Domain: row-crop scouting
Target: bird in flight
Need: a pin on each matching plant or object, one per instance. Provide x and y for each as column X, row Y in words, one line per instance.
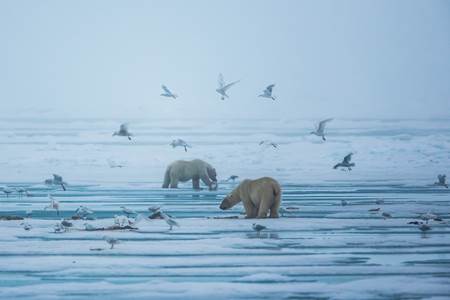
column 123, row 131
column 267, row 93
column 346, row 163
column 320, row 129
column 180, row 143
column 167, row 93
column 222, row 89
column 441, row 181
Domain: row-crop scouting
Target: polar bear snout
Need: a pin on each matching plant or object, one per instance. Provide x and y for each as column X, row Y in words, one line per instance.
column 225, row 204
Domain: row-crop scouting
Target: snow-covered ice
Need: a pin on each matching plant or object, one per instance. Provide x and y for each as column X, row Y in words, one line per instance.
column 320, row 249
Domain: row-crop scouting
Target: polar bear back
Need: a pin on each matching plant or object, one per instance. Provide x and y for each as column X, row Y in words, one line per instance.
column 185, row 170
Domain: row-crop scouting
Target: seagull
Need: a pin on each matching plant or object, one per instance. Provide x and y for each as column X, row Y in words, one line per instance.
column 26, row 226
column 66, row 223
column 113, row 164
column 83, row 212
column 56, row 180
column 268, row 143
column 344, row 202
column 110, row 240
column 424, row 227
column 222, row 89
column 54, row 204
column 429, row 216
column 267, row 93
column 7, row 192
column 121, row 221
column 128, row 211
column 379, row 201
column 374, row 209
column 123, row 131
column 258, row 228
column 59, row 228
column 320, row 129
column 180, row 143
column 171, row 222
column 21, row 191
column 232, row 177
column 441, row 181
column 168, row 93
column 346, row 163
column 386, row 215
column 283, row 211
column 89, row 227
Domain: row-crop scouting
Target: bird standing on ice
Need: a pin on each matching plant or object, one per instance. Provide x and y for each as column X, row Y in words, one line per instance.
column 346, row 163
column 269, row 143
column 111, row 241
column 123, row 131
column 222, row 89
column 320, row 129
column 180, row 143
column 54, row 204
column 171, row 222
column 167, row 93
column 267, row 93
column 258, row 228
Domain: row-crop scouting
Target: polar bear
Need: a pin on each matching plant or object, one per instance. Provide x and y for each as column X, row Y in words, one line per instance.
column 182, row 170
column 258, row 197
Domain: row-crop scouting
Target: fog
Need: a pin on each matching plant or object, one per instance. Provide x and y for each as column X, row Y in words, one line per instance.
column 108, row 59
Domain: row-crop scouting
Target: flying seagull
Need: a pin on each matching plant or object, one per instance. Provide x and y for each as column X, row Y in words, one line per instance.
column 320, row 129
column 345, row 163
column 180, row 143
column 222, row 89
column 112, row 164
column 123, row 131
column 232, row 178
column 58, row 180
column 441, row 181
column 267, row 93
column 167, row 93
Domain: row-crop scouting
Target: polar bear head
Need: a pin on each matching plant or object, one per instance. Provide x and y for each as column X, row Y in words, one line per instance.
column 230, row 200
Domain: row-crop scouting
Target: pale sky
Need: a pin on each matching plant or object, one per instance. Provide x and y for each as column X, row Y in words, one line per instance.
column 366, row 59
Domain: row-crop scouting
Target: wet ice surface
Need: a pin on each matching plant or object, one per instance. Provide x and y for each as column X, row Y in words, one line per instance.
column 320, row 250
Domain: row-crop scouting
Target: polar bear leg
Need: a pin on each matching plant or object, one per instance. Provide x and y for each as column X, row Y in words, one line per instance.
column 274, row 209
column 173, row 182
column 250, row 210
column 196, row 183
column 264, row 207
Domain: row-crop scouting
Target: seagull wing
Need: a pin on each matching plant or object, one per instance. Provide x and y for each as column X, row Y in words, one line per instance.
column 221, row 81
column 226, row 87
column 323, row 123
column 348, row 158
column 269, row 88
column 166, row 90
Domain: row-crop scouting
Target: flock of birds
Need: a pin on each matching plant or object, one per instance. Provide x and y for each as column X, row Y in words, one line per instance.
column 222, row 89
